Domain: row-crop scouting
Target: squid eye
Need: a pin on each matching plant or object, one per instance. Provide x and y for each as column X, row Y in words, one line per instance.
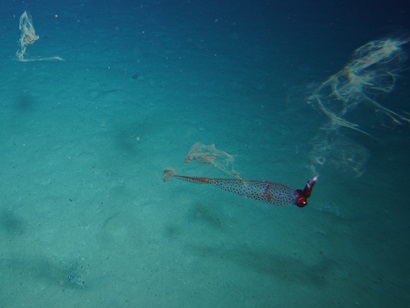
column 301, row 202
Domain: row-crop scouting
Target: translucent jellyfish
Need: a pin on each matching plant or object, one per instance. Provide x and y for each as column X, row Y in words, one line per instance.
column 29, row 37
column 209, row 154
column 371, row 72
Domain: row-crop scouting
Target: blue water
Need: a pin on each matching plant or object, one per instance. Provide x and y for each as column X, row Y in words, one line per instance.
column 85, row 218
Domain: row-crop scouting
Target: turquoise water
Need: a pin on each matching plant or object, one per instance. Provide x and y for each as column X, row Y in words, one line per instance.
column 85, row 218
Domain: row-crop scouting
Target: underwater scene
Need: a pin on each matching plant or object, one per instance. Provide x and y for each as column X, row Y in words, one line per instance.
column 203, row 153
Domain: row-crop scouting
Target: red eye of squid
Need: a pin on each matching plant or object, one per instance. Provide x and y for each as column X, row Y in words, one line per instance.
column 301, row 202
